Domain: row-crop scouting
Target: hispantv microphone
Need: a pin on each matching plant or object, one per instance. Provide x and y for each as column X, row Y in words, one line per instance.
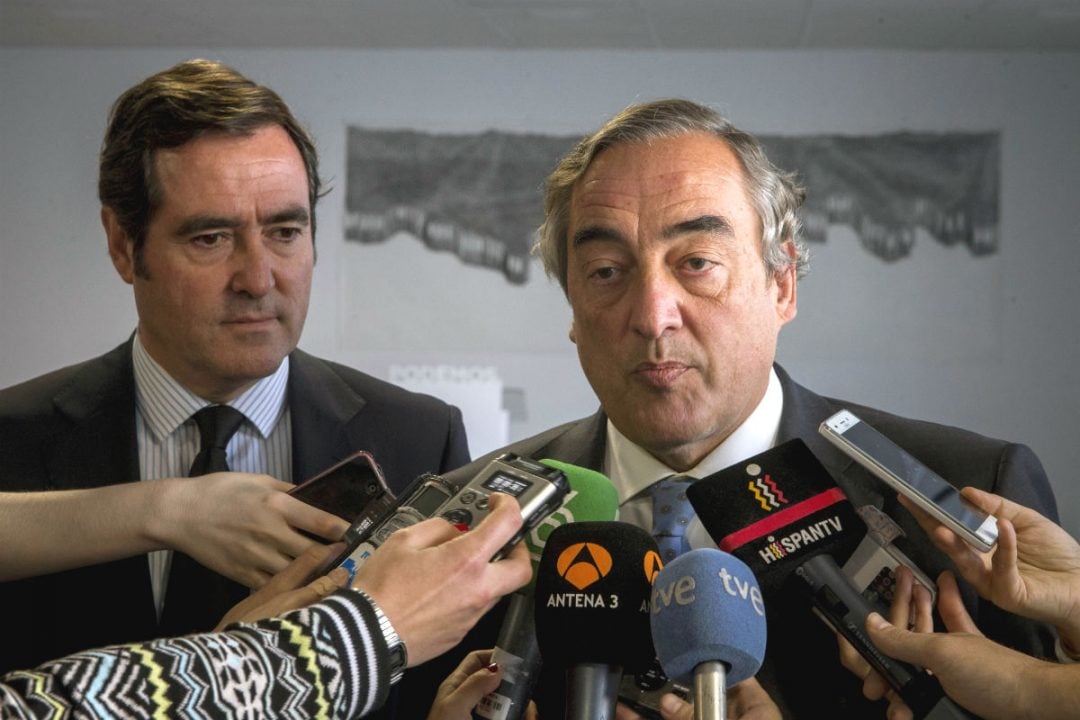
column 776, row 509
column 592, row 610
column 591, row 497
column 708, row 625
column 782, row 514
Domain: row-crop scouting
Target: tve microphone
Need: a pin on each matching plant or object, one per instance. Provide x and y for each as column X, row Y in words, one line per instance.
column 591, row 497
column 592, row 610
column 708, row 623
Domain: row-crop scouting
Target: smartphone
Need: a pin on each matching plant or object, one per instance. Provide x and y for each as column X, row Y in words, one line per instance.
column 911, row 478
column 347, row 488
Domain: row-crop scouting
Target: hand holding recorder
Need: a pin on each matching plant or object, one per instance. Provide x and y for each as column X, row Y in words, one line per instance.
column 983, row 676
column 434, row 582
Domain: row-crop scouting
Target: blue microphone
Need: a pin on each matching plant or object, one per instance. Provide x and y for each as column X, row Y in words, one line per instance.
column 708, row 624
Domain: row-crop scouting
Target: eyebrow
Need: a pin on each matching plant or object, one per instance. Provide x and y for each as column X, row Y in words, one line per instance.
column 710, row 224
column 595, row 233
column 198, row 223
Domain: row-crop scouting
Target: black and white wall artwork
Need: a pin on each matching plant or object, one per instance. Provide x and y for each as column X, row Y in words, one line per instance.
column 478, row 196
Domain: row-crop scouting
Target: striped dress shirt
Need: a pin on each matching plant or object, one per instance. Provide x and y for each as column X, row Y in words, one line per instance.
column 169, row 441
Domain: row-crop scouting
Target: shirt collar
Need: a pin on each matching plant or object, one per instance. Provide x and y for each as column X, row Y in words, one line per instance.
column 632, row 469
column 165, row 404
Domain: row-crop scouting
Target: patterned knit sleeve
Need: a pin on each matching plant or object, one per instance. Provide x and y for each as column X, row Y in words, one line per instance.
column 328, row 660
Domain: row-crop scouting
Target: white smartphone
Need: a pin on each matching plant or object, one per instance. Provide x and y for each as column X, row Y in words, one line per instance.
column 903, row 473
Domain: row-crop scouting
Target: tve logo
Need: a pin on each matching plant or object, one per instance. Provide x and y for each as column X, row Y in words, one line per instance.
column 683, row 588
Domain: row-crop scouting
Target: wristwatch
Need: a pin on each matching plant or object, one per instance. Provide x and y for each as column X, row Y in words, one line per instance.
column 399, row 656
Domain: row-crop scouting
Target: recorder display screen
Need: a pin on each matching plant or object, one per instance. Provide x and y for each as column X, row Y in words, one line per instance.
column 500, row 482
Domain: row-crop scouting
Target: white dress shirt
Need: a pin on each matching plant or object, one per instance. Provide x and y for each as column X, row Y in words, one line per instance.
column 632, row 469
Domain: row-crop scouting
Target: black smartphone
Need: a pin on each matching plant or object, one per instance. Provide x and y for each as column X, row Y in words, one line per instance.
column 347, row 488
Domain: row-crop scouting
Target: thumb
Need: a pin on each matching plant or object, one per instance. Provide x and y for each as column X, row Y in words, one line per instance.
column 893, row 641
column 460, row 703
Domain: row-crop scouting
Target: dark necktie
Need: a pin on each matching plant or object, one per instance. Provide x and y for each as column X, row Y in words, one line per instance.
column 671, row 514
column 196, row 597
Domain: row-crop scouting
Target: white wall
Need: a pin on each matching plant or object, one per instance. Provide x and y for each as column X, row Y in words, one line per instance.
column 992, row 346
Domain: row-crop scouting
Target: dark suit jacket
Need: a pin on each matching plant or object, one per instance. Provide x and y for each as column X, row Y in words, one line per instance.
column 802, row 671
column 75, row 428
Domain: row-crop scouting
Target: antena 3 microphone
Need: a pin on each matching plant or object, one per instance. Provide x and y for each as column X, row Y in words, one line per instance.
column 592, row 610
column 591, row 497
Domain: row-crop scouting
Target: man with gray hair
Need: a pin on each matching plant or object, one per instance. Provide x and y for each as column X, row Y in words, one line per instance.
column 677, row 244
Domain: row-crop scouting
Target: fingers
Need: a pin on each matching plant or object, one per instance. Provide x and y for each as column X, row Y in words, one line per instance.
column 496, row 529
column 302, row 567
column 273, row 600
column 892, row 640
column 673, row 707
column 474, row 678
column 922, row 620
column 951, row 606
column 1003, row 563
column 310, row 518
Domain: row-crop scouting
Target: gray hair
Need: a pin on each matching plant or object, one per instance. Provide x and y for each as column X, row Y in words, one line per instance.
column 775, row 194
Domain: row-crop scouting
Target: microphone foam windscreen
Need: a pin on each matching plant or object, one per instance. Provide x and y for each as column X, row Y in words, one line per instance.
column 591, row 497
column 592, row 595
column 706, row 605
column 775, row 510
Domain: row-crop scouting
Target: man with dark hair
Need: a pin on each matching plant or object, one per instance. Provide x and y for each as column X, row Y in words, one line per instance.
column 208, row 187
column 677, row 244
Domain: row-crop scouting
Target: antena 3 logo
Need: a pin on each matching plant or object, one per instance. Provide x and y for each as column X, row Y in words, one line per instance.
column 767, row 493
column 653, row 565
column 583, row 564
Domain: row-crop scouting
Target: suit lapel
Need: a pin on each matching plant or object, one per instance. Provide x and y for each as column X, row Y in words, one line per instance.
column 582, row 444
column 97, row 445
column 322, row 406
column 803, row 413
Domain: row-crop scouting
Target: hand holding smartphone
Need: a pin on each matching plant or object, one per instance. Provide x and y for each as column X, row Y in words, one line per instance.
column 909, row 477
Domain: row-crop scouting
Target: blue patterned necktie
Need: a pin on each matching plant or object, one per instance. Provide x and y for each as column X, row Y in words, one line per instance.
column 671, row 514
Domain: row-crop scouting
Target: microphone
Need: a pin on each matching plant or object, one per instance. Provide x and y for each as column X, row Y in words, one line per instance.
column 592, row 610
column 708, row 623
column 775, row 510
column 591, row 497
column 782, row 514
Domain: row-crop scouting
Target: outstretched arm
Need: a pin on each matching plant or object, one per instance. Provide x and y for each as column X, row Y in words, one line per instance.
column 240, row 525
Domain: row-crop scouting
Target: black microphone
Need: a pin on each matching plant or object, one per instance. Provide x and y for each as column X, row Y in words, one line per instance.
column 782, row 514
column 591, row 497
column 592, row 610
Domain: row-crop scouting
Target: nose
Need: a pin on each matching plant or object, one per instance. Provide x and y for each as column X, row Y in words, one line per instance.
column 252, row 269
column 656, row 304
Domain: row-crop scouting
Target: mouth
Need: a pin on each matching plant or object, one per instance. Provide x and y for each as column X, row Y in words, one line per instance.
column 252, row 321
column 660, row 375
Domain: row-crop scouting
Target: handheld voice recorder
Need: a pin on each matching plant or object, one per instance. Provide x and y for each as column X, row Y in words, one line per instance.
column 903, row 473
column 538, row 489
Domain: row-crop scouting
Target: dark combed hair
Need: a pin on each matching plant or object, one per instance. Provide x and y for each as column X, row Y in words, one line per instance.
column 174, row 107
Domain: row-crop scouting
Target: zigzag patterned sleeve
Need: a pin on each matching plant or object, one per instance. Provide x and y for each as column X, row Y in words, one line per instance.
column 328, row 660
